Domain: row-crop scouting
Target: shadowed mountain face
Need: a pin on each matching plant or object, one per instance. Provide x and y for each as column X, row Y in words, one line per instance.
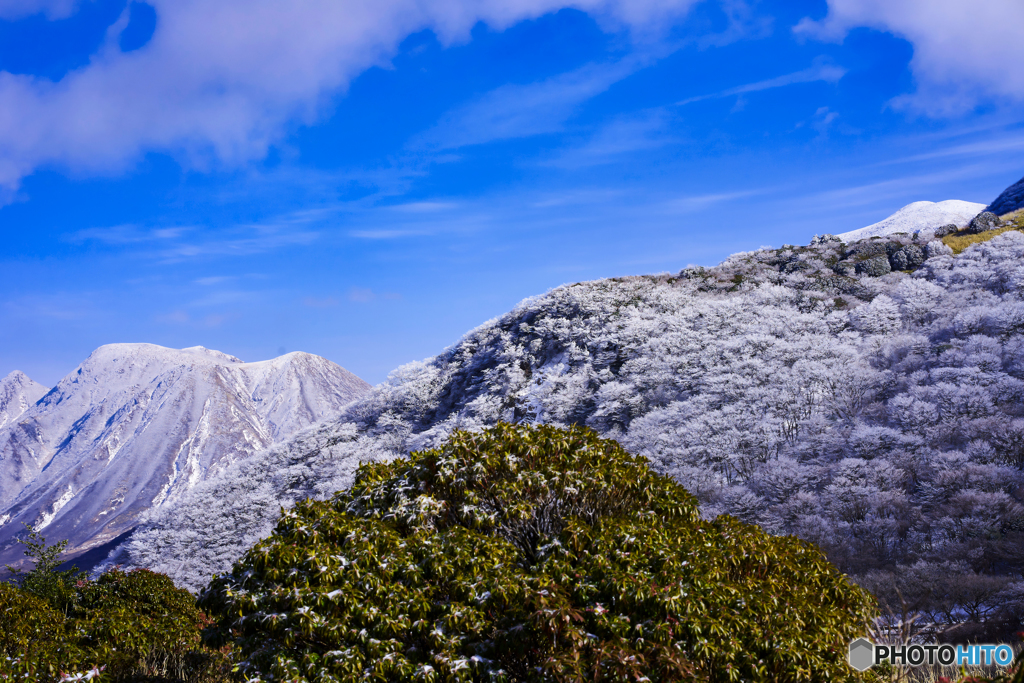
column 1011, row 199
column 137, row 425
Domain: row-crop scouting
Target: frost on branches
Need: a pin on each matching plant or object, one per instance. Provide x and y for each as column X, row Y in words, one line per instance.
column 879, row 415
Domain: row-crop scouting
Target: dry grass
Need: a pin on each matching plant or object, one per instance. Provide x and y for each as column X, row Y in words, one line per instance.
column 959, row 242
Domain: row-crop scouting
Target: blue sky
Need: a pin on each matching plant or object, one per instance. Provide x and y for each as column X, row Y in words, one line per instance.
column 369, row 180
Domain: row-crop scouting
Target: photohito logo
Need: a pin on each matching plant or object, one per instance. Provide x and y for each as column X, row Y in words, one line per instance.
column 864, row 654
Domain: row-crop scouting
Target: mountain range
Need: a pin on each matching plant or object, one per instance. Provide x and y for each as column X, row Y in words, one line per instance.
column 137, row 425
column 862, row 393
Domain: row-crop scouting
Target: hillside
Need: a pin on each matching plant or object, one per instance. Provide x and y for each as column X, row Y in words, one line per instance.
column 1010, row 200
column 813, row 390
column 136, row 426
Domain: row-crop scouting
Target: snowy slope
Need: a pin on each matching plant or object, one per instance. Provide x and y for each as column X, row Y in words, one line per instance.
column 836, row 407
column 17, row 393
column 137, row 425
column 920, row 216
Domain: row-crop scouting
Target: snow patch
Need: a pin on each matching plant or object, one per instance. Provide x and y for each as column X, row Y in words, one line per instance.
column 58, row 505
column 919, row 216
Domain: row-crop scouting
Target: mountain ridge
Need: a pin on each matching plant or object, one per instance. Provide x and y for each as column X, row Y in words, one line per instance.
column 136, row 425
column 767, row 385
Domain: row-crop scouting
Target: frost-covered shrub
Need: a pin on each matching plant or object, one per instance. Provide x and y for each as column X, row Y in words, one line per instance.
column 530, row 554
column 875, row 266
column 749, row 385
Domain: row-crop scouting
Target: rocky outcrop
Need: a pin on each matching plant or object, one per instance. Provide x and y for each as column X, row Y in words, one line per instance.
column 983, row 222
column 875, row 266
column 907, row 257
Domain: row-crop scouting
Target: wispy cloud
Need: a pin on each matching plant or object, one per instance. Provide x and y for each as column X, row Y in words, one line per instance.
column 625, row 135
column 120, row 235
column 364, row 295
column 517, row 111
column 695, row 203
column 823, row 71
column 325, row 302
column 239, row 241
column 1000, row 147
column 178, row 243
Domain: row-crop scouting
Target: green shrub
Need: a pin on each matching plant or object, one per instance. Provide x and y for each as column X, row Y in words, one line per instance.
column 56, row 588
column 125, row 626
column 138, row 623
column 530, row 553
column 36, row 643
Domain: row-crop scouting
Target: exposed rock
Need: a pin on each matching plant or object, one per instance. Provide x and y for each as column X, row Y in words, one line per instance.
column 1011, row 199
column 846, row 268
column 795, row 265
column 875, row 266
column 867, row 248
column 907, row 257
column 983, row 222
column 944, row 230
column 824, row 239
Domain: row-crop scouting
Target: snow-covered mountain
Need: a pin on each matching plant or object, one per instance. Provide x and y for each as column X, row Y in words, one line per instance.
column 137, row 425
column 867, row 396
column 919, row 216
column 17, row 393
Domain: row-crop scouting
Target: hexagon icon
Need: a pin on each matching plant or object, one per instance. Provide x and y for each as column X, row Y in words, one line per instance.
column 862, row 654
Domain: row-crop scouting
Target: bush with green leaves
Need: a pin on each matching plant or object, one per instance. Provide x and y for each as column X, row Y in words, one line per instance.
column 124, row 626
column 530, row 554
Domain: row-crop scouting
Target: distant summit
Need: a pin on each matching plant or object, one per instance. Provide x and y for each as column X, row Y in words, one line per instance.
column 136, row 425
column 17, row 393
column 1011, row 199
column 919, row 216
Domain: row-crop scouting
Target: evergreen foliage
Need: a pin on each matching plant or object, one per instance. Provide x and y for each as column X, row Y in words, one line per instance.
column 122, row 627
column 44, row 580
column 526, row 554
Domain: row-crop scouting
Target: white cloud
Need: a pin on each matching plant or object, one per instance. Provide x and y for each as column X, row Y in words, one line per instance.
column 221, row 80
column 964, row 52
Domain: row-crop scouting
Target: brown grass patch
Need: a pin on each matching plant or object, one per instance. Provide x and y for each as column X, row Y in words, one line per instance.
column 959, row 242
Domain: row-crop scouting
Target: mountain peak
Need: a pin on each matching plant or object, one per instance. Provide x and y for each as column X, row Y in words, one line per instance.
column 17, row 393
column 919, row 216
column 136, row 425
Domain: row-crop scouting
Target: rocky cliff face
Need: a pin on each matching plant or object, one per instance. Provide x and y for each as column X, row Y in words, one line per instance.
column 136, row 425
